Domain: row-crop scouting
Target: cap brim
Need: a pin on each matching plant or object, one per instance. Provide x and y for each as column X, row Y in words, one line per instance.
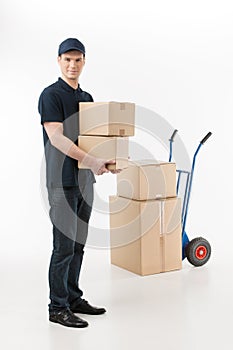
column 72, row 49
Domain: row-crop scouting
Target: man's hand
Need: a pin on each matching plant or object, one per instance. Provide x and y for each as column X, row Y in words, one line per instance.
column 99, row 165
column 113, row 171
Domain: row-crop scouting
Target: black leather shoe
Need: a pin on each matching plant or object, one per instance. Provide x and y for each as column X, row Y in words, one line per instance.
column 85, row 308
column 67, row 319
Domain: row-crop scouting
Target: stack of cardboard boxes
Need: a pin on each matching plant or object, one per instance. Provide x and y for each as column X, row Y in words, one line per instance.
column 145, row 215
column 145, row 219
column 104, row 128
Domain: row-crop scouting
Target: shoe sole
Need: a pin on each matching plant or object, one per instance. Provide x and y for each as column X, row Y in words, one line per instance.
column 98, row 312
column 86, row 313
column 71, row 326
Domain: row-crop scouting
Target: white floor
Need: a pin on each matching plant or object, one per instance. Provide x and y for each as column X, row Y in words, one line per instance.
column 187, row 309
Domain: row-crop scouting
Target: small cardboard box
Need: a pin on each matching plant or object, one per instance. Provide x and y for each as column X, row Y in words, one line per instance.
column 107, row 118
column 106, row 147
column 145, row 236
column 145, row 179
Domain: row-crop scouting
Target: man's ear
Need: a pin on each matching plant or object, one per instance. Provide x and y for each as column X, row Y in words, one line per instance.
column 58, row 59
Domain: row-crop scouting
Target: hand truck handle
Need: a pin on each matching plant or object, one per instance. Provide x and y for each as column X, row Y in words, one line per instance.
column 206, row 138
column 173, row 135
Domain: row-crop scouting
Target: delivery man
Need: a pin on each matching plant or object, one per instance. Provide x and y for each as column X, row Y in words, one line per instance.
column 70, row 190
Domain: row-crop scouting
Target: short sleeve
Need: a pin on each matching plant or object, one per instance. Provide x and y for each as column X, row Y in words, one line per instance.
column 91, row 98
column 50, row 107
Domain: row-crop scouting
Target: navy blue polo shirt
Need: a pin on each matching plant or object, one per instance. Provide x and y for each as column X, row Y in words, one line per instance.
column 59, row 102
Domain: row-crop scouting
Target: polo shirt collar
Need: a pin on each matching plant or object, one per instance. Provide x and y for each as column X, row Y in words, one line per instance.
column 66, row 86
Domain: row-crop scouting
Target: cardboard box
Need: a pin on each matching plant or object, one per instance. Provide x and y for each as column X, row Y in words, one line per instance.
column 145, row 179
column 146, row 235
column 106, row 147
column 106, row 118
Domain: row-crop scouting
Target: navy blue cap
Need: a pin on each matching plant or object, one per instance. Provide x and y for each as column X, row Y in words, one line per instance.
column 69, row 45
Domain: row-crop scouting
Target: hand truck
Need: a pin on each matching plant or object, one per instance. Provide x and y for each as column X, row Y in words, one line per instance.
column 198, row 250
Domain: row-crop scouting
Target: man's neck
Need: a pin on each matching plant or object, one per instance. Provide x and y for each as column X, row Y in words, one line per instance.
column 72, row 82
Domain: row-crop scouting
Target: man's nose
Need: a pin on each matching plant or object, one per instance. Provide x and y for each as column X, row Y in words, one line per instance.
column 72, row 64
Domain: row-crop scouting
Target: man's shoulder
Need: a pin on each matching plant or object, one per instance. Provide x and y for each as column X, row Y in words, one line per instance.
column 52, row 88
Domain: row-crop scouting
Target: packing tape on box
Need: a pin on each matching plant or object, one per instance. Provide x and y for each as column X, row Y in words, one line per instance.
column 162, row 213
column 162, row 233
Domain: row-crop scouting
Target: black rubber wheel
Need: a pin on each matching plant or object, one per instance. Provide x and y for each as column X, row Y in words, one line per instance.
column 198, row 251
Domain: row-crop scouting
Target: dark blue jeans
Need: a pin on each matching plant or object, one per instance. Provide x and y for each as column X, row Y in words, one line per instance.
column 70, row 211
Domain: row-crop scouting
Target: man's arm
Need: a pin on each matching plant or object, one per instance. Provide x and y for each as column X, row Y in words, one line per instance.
column 54, row 131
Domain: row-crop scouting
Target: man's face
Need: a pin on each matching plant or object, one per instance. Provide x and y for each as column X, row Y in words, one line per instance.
column 71, row 64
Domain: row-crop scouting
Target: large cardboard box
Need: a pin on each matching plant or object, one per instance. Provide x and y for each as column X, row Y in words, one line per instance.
column 106, row 147
column 106, row 118
column 146, row 179
column 146, row 235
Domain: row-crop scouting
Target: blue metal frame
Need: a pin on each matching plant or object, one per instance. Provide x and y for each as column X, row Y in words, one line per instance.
column 188, row 188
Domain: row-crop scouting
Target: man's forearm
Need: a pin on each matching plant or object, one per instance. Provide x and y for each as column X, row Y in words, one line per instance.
column 68, row 147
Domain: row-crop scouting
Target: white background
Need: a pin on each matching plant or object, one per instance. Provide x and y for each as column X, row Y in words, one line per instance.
column 174, row 58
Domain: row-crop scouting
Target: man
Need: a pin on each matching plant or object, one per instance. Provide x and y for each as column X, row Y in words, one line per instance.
column 70, row 190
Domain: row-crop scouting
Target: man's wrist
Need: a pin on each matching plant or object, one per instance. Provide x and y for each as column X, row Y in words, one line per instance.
column 88, row 160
